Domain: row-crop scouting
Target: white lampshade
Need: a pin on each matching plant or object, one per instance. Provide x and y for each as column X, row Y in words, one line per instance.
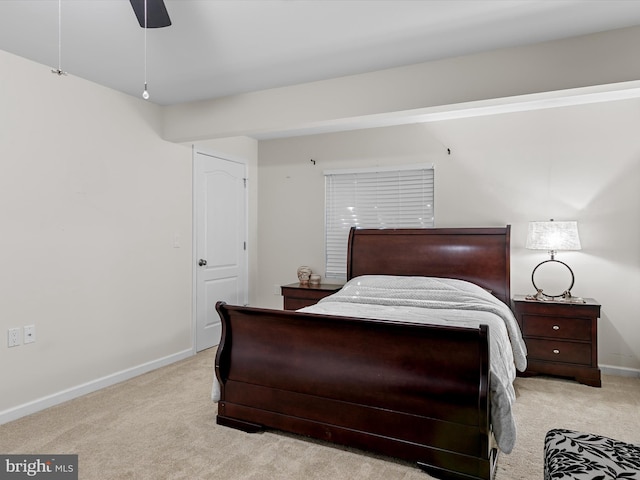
column 553, row 236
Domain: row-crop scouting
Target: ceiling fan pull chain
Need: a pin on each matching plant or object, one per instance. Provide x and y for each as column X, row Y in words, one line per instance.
column 59, row 70
column 145, row 93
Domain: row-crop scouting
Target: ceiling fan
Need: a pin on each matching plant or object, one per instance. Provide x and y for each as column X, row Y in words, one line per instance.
column 157, row 16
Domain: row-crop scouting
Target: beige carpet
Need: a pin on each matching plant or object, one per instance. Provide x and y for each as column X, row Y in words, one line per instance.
column 162, row 426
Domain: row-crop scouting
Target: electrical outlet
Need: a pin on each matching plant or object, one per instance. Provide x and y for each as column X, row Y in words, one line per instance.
column 14, row 337
column 29, row 334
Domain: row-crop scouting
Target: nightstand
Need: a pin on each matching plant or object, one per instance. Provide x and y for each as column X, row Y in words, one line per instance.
column 561, row 338
column 298, row 296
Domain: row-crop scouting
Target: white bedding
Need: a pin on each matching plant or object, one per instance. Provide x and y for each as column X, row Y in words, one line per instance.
column 443, row 302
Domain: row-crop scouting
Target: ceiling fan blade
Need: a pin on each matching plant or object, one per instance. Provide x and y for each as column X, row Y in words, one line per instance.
column 157, row 16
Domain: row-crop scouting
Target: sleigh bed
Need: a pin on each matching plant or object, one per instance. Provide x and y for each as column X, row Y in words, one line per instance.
column 344, row 371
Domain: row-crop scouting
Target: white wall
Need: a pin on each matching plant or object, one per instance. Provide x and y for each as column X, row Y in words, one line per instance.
column 291, row 206
column 578, row 163
column 92, row 200
column 573, row 163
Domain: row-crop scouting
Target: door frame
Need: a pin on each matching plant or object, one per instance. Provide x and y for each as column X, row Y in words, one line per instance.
column 194, row 237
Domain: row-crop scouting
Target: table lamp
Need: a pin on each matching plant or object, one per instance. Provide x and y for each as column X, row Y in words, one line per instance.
column 553, row 236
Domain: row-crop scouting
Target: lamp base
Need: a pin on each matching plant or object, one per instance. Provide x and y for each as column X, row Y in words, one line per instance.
column 566, row 297
column 539, row 291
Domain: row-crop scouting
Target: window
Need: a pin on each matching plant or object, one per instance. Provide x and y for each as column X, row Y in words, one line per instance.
column 395, row 197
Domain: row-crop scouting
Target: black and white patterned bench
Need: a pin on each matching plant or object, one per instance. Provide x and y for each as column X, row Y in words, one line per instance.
column 584, row 456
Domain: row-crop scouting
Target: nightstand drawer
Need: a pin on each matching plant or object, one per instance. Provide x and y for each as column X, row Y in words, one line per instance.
column 558, row 351
column 556, row 327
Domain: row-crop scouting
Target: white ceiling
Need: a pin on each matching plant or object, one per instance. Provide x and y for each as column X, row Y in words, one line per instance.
column 223, row 47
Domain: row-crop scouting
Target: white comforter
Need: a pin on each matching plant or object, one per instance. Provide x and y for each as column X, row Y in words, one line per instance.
column 443, row 302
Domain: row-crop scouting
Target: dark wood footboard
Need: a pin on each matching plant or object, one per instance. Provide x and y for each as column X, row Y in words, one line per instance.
column 414, row 392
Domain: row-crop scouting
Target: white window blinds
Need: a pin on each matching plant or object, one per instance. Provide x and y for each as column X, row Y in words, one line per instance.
column 397, row 197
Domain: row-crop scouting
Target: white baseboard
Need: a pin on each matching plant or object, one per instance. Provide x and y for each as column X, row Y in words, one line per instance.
column 619, row 371
column 74, row 392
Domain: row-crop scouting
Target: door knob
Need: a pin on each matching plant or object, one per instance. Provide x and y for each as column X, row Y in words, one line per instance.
column 202, row 262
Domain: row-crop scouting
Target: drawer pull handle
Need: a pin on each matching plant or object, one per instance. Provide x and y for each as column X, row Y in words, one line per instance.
column 556, row 351
column 556, row 327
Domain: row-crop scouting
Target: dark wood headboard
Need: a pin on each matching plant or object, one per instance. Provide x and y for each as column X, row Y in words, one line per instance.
column 477, row 255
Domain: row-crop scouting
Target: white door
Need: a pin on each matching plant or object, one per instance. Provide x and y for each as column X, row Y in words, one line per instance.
column 220, row 242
